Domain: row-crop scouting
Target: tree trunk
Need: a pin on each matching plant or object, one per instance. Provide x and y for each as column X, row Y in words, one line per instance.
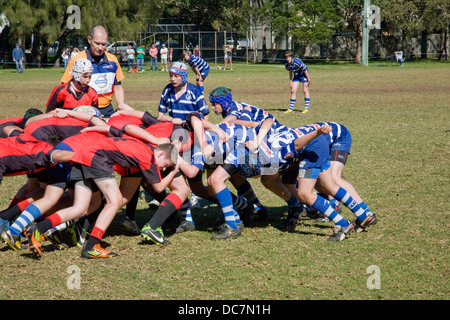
column 358, row 44
column 443, row 47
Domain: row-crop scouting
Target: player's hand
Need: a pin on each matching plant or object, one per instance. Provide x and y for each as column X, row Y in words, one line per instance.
column 60, row 113
column 324, row 129
column 251, row 145
column 162, row 140
column 177, row 145
column 208, row 151
column 177, row 121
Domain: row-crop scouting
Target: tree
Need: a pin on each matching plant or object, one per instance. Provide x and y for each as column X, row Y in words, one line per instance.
column 436, row 17
column 47, row 20
column 306, row 21
column 404, row 15
column 350, row 12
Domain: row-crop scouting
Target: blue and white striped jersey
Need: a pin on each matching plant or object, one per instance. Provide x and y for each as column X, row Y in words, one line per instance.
column 197, row 62
column 297, row 66
column 191, row 101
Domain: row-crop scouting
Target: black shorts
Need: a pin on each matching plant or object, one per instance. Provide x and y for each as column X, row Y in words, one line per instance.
column 339, row 156
column 87, row 176
column 289, row 176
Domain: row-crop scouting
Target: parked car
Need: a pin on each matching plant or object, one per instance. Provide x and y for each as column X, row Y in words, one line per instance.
column 241, row 44
column 120, row 46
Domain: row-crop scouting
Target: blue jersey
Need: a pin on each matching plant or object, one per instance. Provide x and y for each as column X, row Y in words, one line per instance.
column 297, row 66
column 235, row 145
column 339, row 138
column 200, row 64
column 190, row 101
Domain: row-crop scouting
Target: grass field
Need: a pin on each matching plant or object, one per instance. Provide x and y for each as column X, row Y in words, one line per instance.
column 399, row 121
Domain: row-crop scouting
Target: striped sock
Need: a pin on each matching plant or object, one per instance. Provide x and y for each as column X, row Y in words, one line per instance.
column 345, row 198
column 226, row 203
column 324, row 207
column 292, row 104
column 185, row 211
column 239, row 202
column 366, row 209
column 307, row 100
column 30, row 215
column 247, row 192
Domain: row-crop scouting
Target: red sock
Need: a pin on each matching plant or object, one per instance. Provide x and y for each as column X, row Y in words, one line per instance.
column 23, row 204
column 97, row 233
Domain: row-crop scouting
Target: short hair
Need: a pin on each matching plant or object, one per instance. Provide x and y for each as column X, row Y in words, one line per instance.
column 289, row 53
column 170, row 151
column 97, row 28
column 187, row 52
column 32, row 112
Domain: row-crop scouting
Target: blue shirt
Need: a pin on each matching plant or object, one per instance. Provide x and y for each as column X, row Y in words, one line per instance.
column 297, row 66
column 197, row 62
column 191, row 100
column 17, row 54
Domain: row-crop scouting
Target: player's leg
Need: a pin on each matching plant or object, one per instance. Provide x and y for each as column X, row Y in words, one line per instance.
column 169, row 205
column 217, row 182
column 129, row 188
column 307, row 96
column 293, row 99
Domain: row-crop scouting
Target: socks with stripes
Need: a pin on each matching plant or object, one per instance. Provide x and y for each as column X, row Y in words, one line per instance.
column 29, row 215
column 247, row 192
column 324, row 207
column 226, row 203
column 344, row 197
column 307, row 101
column 185, row 211
column 292, row 104
column 168, row 206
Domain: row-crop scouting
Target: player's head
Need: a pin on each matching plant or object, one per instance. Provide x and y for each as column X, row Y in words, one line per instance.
column 221, row 99
column 32, row 112
column 187, row 54
column 82, row 71
column 178, row 69
column 289, row 56
column 166, row 155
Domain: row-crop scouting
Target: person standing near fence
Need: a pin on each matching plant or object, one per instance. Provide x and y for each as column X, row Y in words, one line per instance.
column 18, row 58
column 130, row 57
column 298, row 72
column 164, row 51
column 228, row 57
column 140, row 54
column 153, row 52
column 66, row 57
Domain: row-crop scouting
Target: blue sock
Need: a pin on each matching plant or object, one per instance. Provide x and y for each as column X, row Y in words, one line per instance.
column 202, row 89
column 324, row 207
column 293, row 202
column 29, row 215
column 292, row 104
column 307, row 100
column 185, row 211
column 366, row 209
column 226, row 203
column 344, row 197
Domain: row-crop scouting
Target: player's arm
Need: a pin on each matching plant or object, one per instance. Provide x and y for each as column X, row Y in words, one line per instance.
column 229, row 118
column 307, row 138
column 188, row 169
column 248, row 124
column 7, row 130
column 307, row 76
column 41, row 117
column 262, row 133
column 119, row 95
column 137, row 132
column 133, row 112
column 164, row 117
column 160, row 186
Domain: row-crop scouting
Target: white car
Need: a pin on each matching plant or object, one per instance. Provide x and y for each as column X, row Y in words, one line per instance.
column 120, row 46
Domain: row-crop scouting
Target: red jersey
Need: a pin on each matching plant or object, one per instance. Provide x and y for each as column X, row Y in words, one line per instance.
column 21, row 156
column 127, row 153
column 18, row 122
column 65, row 127
column 64, row 96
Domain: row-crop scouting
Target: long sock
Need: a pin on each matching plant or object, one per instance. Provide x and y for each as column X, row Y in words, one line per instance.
column 366, row 209
column 168, row 206
column 185, row 211
column 324, row 207
column 51, row 221
column 95, row 237
column 345, row 198
column 293, row 202
column 130, row 209
column 292, row 104
column 202, row 89
column 239, row 202
column 30, row 214
column 246, row 191
column 14, row 210
column 226, row 203
column 307, row 101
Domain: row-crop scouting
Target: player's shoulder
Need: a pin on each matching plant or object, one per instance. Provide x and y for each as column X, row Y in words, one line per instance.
column 111, row 57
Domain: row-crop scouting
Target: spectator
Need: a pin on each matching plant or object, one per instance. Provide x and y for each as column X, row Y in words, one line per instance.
column 140, row 53
column 130, row 58
column 66, row 57
column 153, row 57
column 18, row 58
column 197, row 51
column 75, row 51
column 163, row 53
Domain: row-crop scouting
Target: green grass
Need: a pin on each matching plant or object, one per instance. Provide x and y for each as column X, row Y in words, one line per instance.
column 399, row 120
